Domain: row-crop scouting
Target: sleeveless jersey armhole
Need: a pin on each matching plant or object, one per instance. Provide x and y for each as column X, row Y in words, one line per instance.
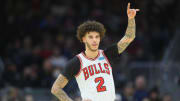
column 80, row 65
column 106, row 59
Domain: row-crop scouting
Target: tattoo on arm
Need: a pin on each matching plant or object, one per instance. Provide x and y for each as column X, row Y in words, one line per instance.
column 57, row 90
column 130, row 32
column 129, row 36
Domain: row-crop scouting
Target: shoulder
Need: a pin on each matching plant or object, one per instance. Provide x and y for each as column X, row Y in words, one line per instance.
column 111, row 50
column 111, row 53
column 72, row 68
column 74, row 60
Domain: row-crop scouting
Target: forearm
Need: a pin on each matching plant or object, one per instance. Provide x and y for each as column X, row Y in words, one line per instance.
column 131, row 29
column 129, row 36
column 57, row 90
column 62, row 96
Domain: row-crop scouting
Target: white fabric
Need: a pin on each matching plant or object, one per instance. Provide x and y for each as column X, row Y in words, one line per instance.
column 88, row 88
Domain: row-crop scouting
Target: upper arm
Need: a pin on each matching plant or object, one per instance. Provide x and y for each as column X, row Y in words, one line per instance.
column 112, row 53
column 72, row 68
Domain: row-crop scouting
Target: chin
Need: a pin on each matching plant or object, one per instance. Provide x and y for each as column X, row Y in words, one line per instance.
column 94, row 49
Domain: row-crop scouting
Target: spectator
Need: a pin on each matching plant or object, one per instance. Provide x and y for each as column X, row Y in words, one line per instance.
column 154, row 94
column 46, row 74
column 13, row 94
column 167, row 97
column 128, row 92
column 29, row 98
column 11, row 76
column 30, row 77
column 57, row 59
column 36, row 58
column 140, row 88
column 26, row 51
column 46, row 51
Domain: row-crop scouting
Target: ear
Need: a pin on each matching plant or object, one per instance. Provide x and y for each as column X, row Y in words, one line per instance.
column 83, row 39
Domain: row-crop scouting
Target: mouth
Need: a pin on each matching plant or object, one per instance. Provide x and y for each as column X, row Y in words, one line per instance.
column 94, row 44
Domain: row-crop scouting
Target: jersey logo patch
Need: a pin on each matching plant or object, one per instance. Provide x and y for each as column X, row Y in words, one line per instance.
column 101, row 58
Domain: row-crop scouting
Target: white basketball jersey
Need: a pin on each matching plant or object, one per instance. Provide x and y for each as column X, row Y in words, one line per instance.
column 95, row 79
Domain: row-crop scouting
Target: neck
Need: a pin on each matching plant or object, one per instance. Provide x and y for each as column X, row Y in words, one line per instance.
column 91, row 54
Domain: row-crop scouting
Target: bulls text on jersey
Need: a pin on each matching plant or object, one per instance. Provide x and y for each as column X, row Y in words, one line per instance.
column 95, row 69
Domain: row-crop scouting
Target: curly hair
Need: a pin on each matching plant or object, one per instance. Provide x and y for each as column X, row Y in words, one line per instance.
column 90, row 26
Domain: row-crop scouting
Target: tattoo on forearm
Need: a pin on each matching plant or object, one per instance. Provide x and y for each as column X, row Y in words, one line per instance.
column 57, row 90
column 122, row 46
column 62, row 95
column 130, row 32
column 129, row 36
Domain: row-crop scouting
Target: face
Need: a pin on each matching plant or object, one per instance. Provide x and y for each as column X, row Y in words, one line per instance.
column 140, row 82
column 154, row 95
column 92, row 40
column 167, row 98
column 129, row 90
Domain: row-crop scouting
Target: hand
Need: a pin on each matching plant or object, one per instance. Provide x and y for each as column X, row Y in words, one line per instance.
column 131, row 12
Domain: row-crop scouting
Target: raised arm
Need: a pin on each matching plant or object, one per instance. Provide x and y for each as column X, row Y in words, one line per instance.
column 57, row 90
column 130, row 31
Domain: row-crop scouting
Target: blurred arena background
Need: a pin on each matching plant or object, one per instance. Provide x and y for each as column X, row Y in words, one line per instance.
column 37, row 38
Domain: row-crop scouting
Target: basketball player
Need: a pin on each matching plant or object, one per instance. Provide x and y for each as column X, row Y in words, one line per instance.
column 92, row 67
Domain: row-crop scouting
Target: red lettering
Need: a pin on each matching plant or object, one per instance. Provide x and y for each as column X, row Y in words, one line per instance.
column 86, row 74
column 107, row 68
column 96, row 71
column 102, row 71
column 91, row 70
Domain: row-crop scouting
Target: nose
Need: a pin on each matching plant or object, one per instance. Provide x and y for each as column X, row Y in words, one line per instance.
column 94, row 40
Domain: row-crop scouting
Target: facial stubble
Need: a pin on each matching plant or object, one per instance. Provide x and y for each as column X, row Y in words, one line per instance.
column 89, row 46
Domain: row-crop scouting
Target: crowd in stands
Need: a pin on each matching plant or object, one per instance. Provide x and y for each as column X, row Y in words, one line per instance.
column 132, row 91
column 39, row 37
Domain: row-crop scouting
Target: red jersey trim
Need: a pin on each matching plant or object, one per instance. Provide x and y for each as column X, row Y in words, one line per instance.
column 92, row 59
column 106, row 59
column 80, row 66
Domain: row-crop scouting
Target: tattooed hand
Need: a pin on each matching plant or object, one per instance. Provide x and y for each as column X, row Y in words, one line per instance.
column 130, row 32
column 131, row 12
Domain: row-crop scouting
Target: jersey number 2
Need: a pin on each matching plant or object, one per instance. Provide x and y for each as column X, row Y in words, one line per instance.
column 100, row 87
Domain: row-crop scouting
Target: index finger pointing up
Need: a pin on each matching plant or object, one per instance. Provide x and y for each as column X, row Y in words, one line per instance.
column 128, row 7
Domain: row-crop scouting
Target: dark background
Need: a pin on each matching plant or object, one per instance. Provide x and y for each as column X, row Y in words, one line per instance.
column 38, row 37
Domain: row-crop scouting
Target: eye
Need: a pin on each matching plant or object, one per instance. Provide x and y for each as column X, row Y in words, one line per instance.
column 90, row 37
column 97, row 36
